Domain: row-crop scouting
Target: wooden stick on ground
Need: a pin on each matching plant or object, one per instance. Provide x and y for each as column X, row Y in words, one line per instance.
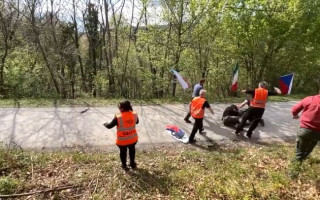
column 59, row 188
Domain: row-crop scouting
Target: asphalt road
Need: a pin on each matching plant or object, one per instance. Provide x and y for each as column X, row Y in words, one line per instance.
column 45, row 128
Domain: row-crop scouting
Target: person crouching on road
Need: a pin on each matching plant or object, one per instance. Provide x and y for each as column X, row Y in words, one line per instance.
column 127, row 136
column 197, row 107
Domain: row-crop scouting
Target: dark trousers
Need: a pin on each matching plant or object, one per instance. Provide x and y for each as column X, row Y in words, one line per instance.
column 306, row 140
column 252, row 113
column 187, row 116
column 198, row 125
column 231, row 121
column 123, row 154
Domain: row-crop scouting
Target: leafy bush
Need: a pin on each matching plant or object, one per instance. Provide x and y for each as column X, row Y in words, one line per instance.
column 8, row 185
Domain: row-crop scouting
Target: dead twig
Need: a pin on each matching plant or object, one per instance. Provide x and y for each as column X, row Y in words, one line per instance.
column 84, row 111
column 95, row 188
column 55, row 189
column 31, row 169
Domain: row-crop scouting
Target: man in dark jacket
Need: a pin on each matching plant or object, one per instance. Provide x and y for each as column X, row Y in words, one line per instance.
column 231, row 116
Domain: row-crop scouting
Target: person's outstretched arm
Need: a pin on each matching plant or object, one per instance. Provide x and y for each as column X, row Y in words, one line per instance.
column 242, row 104
column 112, row 124
column 278, row 91
column 296, row 109
column 211, row 110
column 207, row 105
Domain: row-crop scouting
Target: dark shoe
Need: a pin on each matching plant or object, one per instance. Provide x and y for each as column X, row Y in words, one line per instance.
column 133, row 166
column 237, row 129
column 237, row 132
column 262, row 122
column 192, row 141
column 247, row 136
column 236, row 126
column 125, row 168
column 201, row 131
column 187, row 121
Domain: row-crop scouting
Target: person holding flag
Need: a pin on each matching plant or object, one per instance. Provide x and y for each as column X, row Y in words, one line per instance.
column 256, row 108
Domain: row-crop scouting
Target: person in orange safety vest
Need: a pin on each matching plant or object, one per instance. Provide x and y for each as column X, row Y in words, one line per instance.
column 197, row 106
column 256, row 108
column 127, row 136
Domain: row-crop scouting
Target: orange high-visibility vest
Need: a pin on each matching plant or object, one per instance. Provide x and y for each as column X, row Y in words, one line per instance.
column 260, row 98
column 196, row 107
column 126, row 128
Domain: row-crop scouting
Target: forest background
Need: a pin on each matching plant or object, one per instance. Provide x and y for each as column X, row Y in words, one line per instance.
column 126, row 48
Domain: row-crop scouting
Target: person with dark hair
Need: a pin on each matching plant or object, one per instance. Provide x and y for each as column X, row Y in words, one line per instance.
column 196, row 93
column 127, row 136
column 231, row 116
column 257, row 107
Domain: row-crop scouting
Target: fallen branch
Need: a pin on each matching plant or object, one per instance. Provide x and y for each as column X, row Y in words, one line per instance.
column 95, row 188
column 59, row 188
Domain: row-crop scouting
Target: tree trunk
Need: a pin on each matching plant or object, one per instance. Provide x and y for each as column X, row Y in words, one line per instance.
column 3, row 61
column 38, row 42
column 108, row 49
column 76, row 42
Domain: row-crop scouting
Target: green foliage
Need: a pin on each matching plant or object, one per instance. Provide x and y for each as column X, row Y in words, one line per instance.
column 8, row 185
column 199, row 38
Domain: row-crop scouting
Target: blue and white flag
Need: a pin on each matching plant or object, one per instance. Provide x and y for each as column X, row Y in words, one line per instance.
column 286, row 83
column 181, row 80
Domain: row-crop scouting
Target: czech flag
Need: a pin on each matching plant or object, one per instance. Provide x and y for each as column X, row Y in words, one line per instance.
column 286, row 83
column 235, row 75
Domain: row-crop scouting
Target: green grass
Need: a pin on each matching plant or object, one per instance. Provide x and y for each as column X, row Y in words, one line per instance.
column 40, row 102
column 187, row 172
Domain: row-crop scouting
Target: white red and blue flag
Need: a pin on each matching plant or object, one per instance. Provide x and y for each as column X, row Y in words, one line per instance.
column 235, row 74
column 286, row 83
column 181, row 79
